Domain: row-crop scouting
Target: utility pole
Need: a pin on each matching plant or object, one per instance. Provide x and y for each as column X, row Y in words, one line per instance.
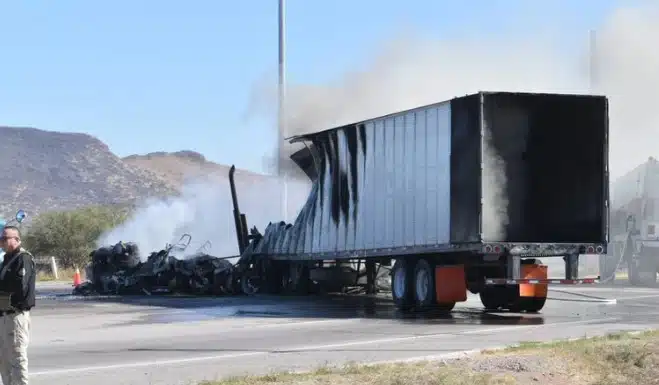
column 592, row 62
column 281, row 113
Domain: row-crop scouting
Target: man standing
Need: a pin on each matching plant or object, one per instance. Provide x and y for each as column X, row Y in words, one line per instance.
column 17, row 297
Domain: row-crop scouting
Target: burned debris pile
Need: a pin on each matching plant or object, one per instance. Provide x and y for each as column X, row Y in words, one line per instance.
column 118, row 270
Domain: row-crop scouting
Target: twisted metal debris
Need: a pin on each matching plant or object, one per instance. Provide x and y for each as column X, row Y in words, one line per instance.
column 118, row 270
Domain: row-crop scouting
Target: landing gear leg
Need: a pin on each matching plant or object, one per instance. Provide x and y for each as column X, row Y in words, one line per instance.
column 370, row 277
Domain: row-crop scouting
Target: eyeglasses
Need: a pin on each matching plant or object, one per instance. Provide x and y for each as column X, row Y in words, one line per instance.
column 3, row 238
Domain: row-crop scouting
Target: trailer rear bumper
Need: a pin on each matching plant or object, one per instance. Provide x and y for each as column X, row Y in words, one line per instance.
column 543, row 249
column 505, row 281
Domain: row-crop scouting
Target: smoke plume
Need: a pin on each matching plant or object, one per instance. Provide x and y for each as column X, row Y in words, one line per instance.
column 204, row 210
column 407, row 72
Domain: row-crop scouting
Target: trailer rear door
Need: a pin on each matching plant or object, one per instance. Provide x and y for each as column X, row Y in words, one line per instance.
column 546, row 157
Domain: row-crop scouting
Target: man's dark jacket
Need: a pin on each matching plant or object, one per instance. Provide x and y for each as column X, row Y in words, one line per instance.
column 19, row 278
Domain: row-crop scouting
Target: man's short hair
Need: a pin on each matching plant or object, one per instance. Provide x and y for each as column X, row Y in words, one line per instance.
column 11, row 227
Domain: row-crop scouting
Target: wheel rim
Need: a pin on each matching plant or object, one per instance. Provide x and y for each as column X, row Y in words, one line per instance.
column 422, row 285
column 399, row 283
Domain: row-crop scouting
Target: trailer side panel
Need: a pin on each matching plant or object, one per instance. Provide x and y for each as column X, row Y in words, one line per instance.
column 381, row 184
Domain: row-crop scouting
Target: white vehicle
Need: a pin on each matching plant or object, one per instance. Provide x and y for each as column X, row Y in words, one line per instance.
column 634, row 224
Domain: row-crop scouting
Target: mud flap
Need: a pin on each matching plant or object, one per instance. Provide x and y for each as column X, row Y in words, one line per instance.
column 532, row 296
column 450, row 284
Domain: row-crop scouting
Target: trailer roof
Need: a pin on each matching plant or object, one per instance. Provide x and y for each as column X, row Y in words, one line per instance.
column 307, row 136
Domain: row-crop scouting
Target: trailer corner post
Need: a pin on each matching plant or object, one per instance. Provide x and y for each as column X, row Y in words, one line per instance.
column 513, row 266
column 571, row 266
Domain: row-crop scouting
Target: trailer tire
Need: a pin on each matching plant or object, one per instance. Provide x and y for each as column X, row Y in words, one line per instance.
column 494, row 297
column 402, row 289
column 425, row 296
column 444, row 307
column 531, row 305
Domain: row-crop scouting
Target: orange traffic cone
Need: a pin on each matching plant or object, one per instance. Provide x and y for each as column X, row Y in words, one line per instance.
column 76, row 278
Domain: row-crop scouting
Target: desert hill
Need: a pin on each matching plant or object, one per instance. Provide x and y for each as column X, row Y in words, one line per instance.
column 47, row 170
column 180, row 167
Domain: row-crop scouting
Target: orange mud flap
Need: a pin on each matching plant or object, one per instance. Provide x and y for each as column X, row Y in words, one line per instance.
column 450, row 284
column 533, row 293
column 534, row 290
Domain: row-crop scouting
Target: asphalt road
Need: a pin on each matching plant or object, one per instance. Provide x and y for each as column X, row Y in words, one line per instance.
column 152, row 340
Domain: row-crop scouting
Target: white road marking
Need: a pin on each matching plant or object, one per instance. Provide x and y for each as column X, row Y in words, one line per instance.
column 604, row 301
column 436, row 335
column 156, row 363
column 143, row 364
column 638, row 297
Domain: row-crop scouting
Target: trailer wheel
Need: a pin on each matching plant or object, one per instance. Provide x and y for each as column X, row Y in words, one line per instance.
column 402, row 289
column 444, row 307
column 530, row 305
column 424, row 285
column 527, row 304
column 494, row 297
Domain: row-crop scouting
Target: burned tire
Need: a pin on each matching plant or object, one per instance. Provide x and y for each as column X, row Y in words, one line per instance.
column 425, row 296
column 402, row 289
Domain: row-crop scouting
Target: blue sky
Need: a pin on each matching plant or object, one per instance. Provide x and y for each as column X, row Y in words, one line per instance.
column 156, row 75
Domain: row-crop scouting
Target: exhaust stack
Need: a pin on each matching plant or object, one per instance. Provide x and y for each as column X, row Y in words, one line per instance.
column 239, row 219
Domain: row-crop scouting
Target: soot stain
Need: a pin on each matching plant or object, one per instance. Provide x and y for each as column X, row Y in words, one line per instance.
column 351, row 138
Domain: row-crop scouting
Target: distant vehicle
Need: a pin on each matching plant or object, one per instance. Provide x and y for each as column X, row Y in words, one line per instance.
column 634, row 226
column 463, row 195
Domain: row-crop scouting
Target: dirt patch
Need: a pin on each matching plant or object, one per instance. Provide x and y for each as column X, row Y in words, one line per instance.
column 619, row 359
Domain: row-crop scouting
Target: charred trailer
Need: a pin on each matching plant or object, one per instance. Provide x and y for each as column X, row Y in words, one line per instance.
column 634, row 240
column 463, row 195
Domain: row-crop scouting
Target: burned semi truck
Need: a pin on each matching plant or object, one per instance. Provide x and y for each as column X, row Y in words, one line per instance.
column 634, row 242
column 462, row 195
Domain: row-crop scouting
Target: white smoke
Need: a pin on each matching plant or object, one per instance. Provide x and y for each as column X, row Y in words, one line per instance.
column 204, row 210
column 408, row 72
column 628, row 73
column 495, row 207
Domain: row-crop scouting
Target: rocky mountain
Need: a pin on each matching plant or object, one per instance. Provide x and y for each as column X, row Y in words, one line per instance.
column 180, row 167
column 45, row 170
